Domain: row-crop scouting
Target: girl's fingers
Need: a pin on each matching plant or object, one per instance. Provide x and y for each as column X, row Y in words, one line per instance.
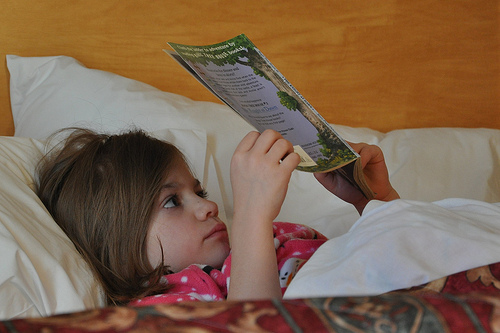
column 370, row 154
column 280, row 149
column 248, row 141
column 267, row 140
column 291, row 161
column 269, row 145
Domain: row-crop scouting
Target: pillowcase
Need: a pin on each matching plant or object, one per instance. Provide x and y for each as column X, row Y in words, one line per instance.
column 50, row 93
column 431, row 164
column 42, row 272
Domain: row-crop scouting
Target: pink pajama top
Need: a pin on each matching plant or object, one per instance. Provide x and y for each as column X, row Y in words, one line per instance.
column 294, row 244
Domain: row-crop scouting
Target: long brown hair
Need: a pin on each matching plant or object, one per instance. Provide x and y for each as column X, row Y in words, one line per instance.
column 101, row 189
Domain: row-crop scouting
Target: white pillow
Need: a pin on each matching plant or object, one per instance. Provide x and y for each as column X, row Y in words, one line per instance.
column 50, row 93
column 41, row 271
column 431, row 164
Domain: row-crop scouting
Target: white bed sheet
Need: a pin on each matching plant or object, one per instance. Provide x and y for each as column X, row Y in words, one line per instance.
column 401, row 244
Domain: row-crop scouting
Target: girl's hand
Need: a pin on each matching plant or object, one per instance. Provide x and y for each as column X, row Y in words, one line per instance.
column 376, row 175
column 261, row 168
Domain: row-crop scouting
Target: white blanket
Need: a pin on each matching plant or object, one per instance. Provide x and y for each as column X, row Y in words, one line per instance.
column 401, row 244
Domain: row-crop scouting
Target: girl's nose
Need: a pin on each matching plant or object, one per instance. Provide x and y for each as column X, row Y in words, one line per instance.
column 206, row 209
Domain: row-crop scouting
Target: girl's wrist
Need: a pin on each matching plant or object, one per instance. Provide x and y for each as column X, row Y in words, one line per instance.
column 392, row 195
column 361, row 204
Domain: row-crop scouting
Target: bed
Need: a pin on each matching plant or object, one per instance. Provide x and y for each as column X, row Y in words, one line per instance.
column 419, row 79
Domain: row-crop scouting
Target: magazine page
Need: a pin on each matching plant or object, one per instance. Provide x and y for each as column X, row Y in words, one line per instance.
column 243, row 78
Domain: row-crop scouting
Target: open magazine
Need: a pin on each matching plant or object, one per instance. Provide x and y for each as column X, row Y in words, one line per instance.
column 244, row 79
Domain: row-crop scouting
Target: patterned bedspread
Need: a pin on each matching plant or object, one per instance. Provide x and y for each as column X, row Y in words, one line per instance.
column 464, row 302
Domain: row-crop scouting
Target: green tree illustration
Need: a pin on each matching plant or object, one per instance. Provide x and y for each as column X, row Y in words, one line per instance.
column 288, row 101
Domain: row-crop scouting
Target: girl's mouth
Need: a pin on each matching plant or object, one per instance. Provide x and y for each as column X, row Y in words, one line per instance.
column 218, row 229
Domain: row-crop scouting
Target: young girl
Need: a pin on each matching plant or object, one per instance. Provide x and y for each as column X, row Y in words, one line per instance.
column 133, row 209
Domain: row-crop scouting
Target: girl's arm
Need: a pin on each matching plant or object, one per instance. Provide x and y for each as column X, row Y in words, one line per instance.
column 261, row 168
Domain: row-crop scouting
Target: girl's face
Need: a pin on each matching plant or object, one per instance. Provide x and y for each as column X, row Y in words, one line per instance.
column 186, row 225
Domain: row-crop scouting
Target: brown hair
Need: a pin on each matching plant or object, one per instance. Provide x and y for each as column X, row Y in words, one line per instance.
column 101, row 189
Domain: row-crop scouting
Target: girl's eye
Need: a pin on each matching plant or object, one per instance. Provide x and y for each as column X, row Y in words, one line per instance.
column 171, row 202
column 202, row 194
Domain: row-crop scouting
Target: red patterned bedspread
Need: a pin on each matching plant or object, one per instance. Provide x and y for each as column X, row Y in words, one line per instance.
column 464, row 302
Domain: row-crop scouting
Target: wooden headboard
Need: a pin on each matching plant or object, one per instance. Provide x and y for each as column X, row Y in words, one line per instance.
column 383, row 64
